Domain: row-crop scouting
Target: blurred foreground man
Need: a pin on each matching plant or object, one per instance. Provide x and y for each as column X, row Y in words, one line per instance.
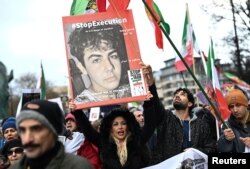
column 39, row 124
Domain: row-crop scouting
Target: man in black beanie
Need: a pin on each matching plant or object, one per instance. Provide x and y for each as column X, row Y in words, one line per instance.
column 39, row 123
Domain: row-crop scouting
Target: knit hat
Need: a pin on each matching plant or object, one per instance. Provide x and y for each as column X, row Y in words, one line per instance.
column 236, row 96
column 70, row 116
column 11, row 144
column 9, row 123
column 46, row 112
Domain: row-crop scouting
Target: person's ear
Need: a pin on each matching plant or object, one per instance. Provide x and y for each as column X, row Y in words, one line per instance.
column 190, row 104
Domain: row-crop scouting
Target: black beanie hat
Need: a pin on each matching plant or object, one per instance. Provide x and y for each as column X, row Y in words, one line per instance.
column 46, row 112
column 10, row 144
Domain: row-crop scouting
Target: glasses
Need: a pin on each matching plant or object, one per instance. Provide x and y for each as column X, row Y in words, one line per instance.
column 18, row 150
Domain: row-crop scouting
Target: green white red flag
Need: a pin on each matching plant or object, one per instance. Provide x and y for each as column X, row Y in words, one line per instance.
column 213, row 75
column 187, row 45
column 237, row 80
column 157, row 13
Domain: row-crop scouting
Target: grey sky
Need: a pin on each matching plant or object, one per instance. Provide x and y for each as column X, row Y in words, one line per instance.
column 31, row 31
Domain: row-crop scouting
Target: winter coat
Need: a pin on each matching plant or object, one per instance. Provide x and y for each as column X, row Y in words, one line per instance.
column 62, row 160
column 170, row 131
column 90, row 151
column 136, row 142
column 234, row 146
column 72, row 145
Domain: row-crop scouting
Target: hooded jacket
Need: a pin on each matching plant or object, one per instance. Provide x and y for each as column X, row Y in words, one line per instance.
column 136, row 142
column 170, row 131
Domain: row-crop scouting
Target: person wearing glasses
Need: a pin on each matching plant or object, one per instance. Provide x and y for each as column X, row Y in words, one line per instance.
column 13, row 150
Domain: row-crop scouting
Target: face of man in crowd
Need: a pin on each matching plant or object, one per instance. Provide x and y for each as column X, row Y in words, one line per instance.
column 180, row 101
column 71, row 125
column 139, row 117
column 119, row 128
column 36, row 138
column 103, row 65
column 15, row 154
column 10, row 134
column 239, row 111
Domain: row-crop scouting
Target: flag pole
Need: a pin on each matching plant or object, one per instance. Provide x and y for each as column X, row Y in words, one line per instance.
column 185, row 83
column 191, row 37
column 182, row 59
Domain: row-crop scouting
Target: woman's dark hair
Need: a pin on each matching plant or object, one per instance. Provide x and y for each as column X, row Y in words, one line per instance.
column 86, row 37
column 106, row 125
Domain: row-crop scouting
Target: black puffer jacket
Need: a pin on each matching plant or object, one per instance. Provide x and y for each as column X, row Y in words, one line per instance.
column 137, row 158
column 170, row 132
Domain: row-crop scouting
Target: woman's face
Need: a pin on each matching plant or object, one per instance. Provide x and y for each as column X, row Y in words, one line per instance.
column 119, row 128
column 103, row 66
column 15, row 154
column 10, row 134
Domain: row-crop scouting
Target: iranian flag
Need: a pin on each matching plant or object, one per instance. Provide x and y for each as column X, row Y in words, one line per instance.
column 237, row 80
column 187, row 45
column 213, row 75
column 41, row 84
column 157, row 13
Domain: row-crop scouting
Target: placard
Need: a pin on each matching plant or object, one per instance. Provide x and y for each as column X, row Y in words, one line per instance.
column 103, row 59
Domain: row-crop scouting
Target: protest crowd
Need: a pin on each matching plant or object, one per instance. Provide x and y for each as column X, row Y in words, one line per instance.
column 126, row 136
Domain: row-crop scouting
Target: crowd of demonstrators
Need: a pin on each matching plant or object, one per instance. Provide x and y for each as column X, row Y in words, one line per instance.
column 180, row 129
column 9, row 132
column 120, row 140
column 125, row 137
column 236, row 138
column 86, row 149
column 39, row 123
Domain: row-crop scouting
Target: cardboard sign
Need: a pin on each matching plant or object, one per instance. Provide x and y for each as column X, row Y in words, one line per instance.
column 103, row 59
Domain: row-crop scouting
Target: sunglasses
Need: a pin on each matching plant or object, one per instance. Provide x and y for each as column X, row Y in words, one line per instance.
column 17, row 150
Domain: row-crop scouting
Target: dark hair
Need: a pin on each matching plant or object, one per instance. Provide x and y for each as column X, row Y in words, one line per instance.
column 190, row 96
column 106, row 125
column 86, row 37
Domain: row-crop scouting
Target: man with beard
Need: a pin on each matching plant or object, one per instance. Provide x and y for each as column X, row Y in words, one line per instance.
column 181, row 128
column 39, row 123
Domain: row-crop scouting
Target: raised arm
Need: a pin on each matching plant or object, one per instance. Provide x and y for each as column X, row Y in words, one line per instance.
column 86, row 128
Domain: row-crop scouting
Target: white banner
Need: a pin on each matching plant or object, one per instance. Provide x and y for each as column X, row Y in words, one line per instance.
column 190, row 159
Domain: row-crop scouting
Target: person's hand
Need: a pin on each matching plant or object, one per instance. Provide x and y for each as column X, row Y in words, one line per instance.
column 72, row 105
column 68, row 134
column 229, row 134
column 246, row 141
column 149, row 95
column 147, row 72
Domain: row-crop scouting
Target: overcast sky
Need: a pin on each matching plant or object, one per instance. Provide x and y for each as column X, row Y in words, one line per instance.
column 31, row 31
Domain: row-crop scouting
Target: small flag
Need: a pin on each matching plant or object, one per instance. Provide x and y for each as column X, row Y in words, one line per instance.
column 187, row 45
column 157, row 13
column 41, row 84
column 236, row 80
column 78, row 7
column 213, row 74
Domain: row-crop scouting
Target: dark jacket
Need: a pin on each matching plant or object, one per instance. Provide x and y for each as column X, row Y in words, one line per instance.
column 234, row 146
column 137, row 158
column 170, row 131
column 61, row 160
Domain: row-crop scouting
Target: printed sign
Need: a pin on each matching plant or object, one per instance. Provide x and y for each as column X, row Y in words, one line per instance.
column 103, row 59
